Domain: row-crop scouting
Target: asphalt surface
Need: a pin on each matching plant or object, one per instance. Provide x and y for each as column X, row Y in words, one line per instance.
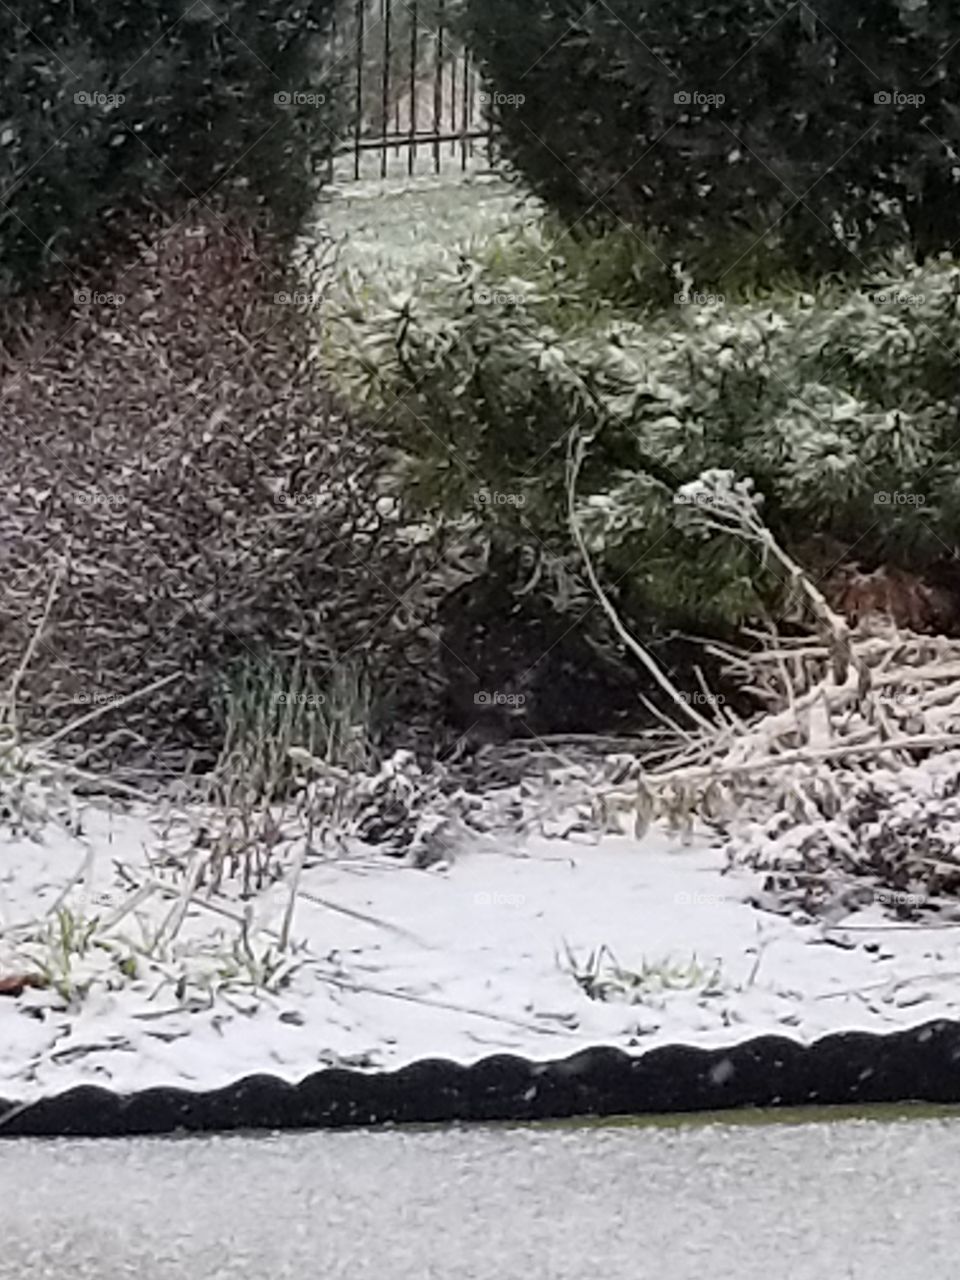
column 870, row 1198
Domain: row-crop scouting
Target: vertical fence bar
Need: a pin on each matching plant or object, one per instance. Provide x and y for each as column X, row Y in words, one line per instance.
column 331, row 160
column 414, row 50
column 438, row 88
column 466, row 90
column 386, row 7
column 358, row 105
column 481, row 113
column 453, row 103
column 472, row 108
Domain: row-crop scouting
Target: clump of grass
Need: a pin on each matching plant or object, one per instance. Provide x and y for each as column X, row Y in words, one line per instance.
column 271, row 708
column 347, row 736
column 268, row 968
column 66, row 939
column 71, row 954
column 601, row 977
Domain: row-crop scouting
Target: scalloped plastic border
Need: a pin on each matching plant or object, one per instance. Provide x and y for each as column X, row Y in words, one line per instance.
column 917, row 1065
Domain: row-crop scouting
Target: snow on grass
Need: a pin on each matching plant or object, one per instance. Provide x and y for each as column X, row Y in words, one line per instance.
column 389, row 964
column 399, row 227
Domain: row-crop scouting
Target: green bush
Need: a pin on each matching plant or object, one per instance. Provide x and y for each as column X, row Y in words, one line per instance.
column 109, row 106
column 724, row 124
column 825, row 398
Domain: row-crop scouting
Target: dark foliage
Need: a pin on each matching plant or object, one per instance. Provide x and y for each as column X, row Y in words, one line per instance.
column 516, row 666
column 110, row 105
column 827, row 131
column 176, row 457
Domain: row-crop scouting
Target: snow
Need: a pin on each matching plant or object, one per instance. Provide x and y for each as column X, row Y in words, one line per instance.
column 401, row 228
column 392, row 964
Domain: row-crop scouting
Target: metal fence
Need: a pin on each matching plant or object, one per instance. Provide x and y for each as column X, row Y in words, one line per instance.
column 417, row 100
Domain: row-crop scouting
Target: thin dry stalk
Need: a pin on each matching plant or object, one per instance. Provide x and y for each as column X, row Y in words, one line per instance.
column 576, row 453
column 10, row 702
column 96, row 712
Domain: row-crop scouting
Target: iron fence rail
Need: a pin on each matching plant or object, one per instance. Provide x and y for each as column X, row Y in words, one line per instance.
column 415, row 90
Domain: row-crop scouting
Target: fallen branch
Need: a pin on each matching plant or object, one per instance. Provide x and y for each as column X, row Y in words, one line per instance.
column 575, row 455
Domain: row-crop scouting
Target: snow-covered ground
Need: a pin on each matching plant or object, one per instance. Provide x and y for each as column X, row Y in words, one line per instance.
column 390, row 964
column 405, row 226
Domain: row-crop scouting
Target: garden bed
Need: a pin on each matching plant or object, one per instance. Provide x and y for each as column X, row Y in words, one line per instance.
column 542, row 950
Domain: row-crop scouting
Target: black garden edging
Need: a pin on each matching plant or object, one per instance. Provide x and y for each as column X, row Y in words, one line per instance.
column 918, row 1065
